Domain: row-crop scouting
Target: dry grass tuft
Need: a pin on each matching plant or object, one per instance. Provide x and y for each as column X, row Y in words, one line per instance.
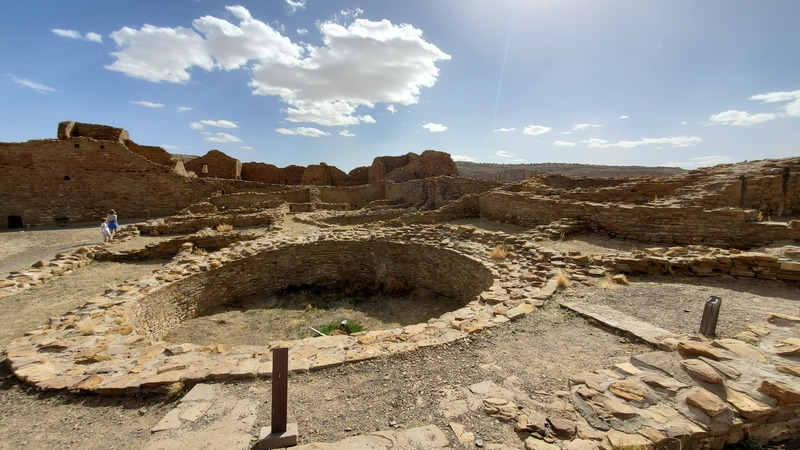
column 198, row 251
column 615, row 281
column 562, row 280
column 85, row 326
column 499, row 252
column 224, row 227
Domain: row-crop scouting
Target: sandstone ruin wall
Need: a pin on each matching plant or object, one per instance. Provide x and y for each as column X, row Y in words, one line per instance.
column 80, row 179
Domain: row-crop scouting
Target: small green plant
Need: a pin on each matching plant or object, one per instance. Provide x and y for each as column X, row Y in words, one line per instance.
column 343, row 327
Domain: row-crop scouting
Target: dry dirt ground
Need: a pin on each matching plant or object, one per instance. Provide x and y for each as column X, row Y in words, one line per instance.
column 535, row 354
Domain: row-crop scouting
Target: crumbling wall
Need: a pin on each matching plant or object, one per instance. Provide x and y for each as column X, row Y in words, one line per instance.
column 156, row 154
column 260, row 199
column 429, row 164
column 268, row 173
column 324, row 175
column 80, row 179
column 69, row 130
column 215, row 164
column 435, row 192
column 666, row 225
column 355, row 196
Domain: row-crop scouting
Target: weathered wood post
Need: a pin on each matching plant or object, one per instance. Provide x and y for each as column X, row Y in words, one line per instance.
column 279, row 434
column 708, row 324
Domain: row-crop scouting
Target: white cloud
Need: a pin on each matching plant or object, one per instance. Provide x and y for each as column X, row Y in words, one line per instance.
column 169, row 147
column 504, row 154
column 434, row 127
column 366, row 119
column 183, row 108
column 793, row 108
column 247, row 147
column 462, row 158
column 623, row 117
column 565, row 144
column 683, row 122
column 294, row 5
column 504, row 130
column 391, row 108
column 741, row 118
column 39, row 87
column 773, row 97
column 72, row 34
column 213, row 123
column 700, row 161
column 93, row 37
column 222, row 137
column 674, row 141
column 346, row 133
column 147, row 104
column 302, row 131
column 584, row 126
column 159, row 54
column 302, row 31
column 358, row 65
column 535, row 130
column 69, row 34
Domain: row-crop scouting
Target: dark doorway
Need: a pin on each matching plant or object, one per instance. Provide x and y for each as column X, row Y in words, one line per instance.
column 14, row 221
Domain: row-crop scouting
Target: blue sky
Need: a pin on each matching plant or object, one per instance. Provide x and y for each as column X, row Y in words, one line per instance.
column 630, row 82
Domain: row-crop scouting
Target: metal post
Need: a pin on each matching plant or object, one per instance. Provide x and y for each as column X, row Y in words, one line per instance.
column 708, row 324
column 280, row 391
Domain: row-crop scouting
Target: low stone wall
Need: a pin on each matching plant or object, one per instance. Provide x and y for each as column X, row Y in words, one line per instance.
column 357, row 196
column 194, row 223
column 667, row 225
column 259, row 199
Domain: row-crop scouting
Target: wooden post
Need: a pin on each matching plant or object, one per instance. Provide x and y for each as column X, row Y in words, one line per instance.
column 280, row 388
column 708, row 324
column 279, row 434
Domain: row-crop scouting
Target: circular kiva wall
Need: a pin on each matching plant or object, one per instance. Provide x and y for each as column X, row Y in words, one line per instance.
column 330, row 264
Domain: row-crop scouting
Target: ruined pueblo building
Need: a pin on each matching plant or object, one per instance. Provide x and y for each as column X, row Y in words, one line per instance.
column 391, row 226
column 91, row 168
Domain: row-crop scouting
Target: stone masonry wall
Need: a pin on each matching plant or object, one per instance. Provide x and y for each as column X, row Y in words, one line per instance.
column 215, row 164
column 259, row 199
column 356, row 196
column 69, row 130
column 669, row 225
column 268, row 173
column 156, row 154
column 435, row 192
column 327, row 264
column 80, row 179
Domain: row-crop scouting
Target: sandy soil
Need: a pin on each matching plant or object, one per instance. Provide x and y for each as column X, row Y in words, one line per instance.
column 530, row 354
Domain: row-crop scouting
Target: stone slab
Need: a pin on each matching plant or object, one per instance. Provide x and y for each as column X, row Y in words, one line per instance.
column 269, row 439
column 620, row 321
